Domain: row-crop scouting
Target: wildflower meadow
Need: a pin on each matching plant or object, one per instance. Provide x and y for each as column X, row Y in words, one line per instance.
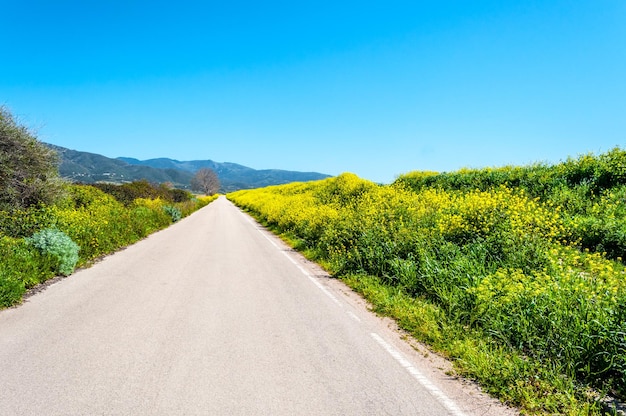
column 515, row 273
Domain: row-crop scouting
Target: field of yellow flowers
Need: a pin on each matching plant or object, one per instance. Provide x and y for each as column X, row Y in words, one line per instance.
column 96, row 224
column 516, row 273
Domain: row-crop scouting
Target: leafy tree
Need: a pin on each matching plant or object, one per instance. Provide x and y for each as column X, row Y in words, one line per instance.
column 28, row 169
column 205, row 181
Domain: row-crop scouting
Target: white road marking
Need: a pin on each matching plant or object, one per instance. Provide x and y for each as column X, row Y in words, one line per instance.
column 423, row 380
column 304, row 272
column 353, row 316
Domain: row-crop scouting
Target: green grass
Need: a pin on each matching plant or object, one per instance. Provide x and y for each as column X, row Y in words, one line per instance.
column 507, row 281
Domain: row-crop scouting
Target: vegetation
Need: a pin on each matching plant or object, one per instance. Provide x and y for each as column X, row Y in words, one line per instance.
column 28, row 172
column 127, row 193
column 59, row 247
column 91, row 168
column 32, row 249
column 48, row 227
column 516, row 273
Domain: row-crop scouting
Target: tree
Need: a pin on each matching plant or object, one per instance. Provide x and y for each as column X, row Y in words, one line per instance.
column 205, row 180
column 29, row 171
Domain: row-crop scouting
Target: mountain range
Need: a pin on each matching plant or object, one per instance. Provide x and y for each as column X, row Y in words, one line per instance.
column 88, row 167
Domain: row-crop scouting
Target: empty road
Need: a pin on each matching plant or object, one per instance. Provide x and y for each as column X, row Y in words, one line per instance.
column 214, row 316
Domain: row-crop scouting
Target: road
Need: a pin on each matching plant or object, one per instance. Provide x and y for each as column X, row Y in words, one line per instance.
column 214, row 316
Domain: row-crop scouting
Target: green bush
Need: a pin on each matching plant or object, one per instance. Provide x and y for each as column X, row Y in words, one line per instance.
column 597, row 173
column 127, row 193
column 173, row 212
column 22, row 266
column 58, row 246
column 498, row 262
column 11, row 289
column 28, row 168
column 21, row 223
column 41, row 241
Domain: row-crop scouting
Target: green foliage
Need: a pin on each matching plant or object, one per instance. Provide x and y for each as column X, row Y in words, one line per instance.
column 127, row 193
column 94, row 220
column 594, row 173
column 59, row 247
column 28, row 169
column 21, row 267
column 523, row 274
column 178, row 195
column 25, row 222
column 590, row 190
column 173, row 212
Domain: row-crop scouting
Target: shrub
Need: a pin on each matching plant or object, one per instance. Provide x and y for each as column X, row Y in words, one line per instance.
column 28, row 168
column 498, row 260
column 11, row 289
column 58, row 246
column 87, row 218
column 21, row 223
column 173, row 212
column 127, row 193
column 22, row 266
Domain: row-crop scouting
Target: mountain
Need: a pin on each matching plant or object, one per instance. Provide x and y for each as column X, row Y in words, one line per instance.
column 90, row 167
column 231, row 175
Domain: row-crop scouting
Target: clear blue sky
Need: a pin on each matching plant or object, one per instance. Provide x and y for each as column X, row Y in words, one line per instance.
column 374, row 88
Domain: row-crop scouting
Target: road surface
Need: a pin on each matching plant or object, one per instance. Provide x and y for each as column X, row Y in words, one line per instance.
column 214, row 316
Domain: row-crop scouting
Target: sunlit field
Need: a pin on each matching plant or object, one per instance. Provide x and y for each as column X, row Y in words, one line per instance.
column 516, row 273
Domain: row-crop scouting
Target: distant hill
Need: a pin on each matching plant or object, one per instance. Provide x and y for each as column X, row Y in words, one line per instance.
column 90, row 167
column 231, row 175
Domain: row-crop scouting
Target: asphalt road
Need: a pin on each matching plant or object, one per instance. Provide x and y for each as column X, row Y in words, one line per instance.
column 214, row 316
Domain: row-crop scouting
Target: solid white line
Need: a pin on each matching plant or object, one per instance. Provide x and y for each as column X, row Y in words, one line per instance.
column 423, row 380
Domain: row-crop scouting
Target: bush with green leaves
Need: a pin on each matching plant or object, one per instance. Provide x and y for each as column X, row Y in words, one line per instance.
column 30, row 253
column 501, row 269
column 21, row 267
column 173, row 212
column 58, row 246
column 28, row 168
column 127, row 193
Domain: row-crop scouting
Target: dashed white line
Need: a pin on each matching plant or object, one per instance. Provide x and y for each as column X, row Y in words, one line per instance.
column 304, row 272
column 353, row 316
column 423, row 380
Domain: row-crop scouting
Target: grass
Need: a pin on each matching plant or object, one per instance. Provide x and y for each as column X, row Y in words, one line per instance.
column 495, row 278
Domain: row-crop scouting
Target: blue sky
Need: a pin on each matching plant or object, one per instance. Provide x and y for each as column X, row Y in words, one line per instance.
column 374, row 88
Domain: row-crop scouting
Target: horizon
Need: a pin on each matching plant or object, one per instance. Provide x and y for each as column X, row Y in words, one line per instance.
column 376, row 90
column 323, row 173
column 530, row 164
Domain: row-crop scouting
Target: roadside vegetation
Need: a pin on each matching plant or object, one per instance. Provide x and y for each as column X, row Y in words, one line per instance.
column 48, row 227
column 515, row 273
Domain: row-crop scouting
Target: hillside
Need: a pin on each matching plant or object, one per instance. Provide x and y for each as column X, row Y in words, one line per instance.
column 90, row 167
column 232, row 176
